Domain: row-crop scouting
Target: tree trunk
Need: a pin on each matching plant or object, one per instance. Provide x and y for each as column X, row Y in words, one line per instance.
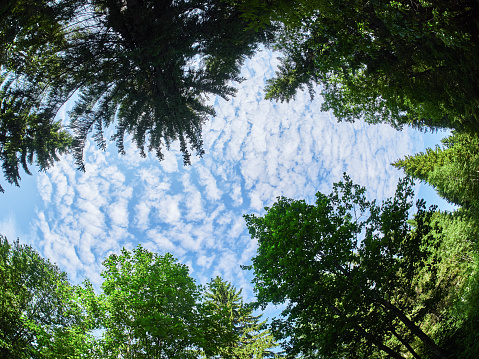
column 413, row 328
column 405, row 343
column 367, row 335
column 399, row 314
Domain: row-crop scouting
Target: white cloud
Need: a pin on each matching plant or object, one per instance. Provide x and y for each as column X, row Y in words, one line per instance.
column 8, row 227
column 118, row 213
column 207, row 180
column 205, row 261
column 237, row 228
column 194, row 205
column 170, row 162
column 44, row 187
column 168, row 209
column 226, row 266
column 161, row 241
column 236, row 194
column 142, row 210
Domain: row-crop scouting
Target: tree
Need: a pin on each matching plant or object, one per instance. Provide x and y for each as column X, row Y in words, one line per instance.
column 28, row 129
column 397, row 62
column 27, row 136
column 351, row 273
column 151, row 308
column 249, row 339
column 147, row 66
column 40, row 315
column 458, row 274
column 452, row 170
column 155, row 64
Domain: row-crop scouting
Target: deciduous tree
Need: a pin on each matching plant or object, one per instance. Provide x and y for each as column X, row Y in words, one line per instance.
column 40, row 313
column 347, row 270
column 151, row 308
column 397, row 62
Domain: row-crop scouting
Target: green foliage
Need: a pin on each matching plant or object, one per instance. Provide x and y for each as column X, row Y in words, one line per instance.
column 359, row 279
column 147, row 66
column 40, row 314
column 148, row 307
column 397, row 62
column 464, row 340
column 452, row 170
column 31, row 29
column 457, row 275
column 28, row 131
column 27, row 135
column 249, row 339
column 151, row 308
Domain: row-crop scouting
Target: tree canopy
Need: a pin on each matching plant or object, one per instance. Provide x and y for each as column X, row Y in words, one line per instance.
column 40, row 313
column 149, row 308
column 29, row 33
column 358, row 279
column 397, row 62
column 452, row 169
column 146, row 66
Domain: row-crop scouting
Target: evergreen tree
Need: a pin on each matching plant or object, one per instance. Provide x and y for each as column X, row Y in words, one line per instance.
column 30, row 34
column 251, row 339
column 454, row 320
column 452, row 170
column 148, row 66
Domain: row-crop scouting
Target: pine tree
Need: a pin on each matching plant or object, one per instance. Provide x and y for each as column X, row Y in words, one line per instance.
column 253, row 341
column 422, row 164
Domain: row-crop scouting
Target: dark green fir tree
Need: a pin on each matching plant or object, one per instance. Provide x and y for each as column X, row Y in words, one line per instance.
column 146, row 66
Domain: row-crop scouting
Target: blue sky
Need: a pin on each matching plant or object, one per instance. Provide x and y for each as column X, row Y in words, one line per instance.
column 255, row 149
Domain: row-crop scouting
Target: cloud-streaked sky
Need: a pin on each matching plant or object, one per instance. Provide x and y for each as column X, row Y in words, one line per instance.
column 255, row 150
